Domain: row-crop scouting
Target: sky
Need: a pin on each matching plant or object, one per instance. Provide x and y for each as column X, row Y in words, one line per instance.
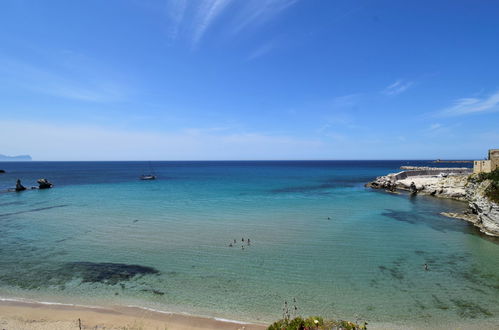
column 249, row 79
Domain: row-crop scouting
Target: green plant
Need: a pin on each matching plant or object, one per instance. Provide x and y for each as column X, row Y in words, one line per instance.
column 315, row 323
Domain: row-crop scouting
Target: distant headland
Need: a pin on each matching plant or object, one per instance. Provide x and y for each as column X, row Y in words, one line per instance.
column 4, row 158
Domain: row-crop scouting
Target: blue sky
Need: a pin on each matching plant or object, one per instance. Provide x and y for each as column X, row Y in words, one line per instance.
column 248, row 79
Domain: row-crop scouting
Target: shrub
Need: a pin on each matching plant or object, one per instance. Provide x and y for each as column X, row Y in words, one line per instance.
column 314, row 323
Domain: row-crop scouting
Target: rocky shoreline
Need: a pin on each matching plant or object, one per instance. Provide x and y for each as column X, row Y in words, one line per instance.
column 452, row 183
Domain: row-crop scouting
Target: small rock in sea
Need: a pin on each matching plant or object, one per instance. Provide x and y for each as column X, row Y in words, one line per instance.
column 19, row 186
column 44, row 183
column 2, row 171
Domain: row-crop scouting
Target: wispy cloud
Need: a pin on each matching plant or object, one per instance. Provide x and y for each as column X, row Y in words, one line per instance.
column 58, row 81
column 257, row 12
column 176, row 12
column 107, row 143
column 435, row 126
column 398, row 87
column 261, row 50
column 208, row 13
column 193, row 19
column 466, row 106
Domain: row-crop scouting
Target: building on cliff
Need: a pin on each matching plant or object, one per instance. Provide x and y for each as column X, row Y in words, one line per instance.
column 487, row 166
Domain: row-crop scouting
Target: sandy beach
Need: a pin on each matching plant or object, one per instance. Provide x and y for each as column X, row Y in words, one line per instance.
column 16, row 315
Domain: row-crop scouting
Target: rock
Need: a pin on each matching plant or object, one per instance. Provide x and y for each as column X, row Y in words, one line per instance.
column 462, row 216
column 445, row 186
column 486, row 211
column 19, row 186
column 2, row 171
column 483, row 212
column 44, row 184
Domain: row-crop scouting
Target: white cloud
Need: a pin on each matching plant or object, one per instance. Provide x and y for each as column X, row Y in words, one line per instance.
column 193, row 19
column 466, row 106
column 398, row 87
column 434, row 126
column 261, row 51
column 208, row 13
column 59, row 82
column 257, row 12
column 74, row 142
column 176, row 11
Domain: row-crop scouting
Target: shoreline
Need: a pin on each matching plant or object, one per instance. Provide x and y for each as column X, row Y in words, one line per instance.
column 20, row 314
column 28, row 314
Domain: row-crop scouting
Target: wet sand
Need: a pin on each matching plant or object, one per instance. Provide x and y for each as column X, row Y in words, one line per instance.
column 26, row 315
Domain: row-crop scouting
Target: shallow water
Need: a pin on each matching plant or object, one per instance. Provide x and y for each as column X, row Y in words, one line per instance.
column 103, row 237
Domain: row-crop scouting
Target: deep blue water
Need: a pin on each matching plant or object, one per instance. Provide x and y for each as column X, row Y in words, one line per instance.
column 101, row 236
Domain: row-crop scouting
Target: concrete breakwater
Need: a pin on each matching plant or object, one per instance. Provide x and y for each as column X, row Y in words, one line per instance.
column 458, row 184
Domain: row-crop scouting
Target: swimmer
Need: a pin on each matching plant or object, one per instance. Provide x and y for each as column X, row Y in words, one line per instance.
column 425, row 266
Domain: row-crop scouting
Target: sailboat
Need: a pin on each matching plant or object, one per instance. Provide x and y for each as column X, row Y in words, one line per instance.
column 148, row 176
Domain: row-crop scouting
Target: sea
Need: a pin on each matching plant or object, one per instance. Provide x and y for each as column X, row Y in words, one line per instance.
column 243, row 240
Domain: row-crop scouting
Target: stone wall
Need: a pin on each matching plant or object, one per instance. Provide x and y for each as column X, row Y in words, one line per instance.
column 482, row 166
column 405, row 174
column 494, row 159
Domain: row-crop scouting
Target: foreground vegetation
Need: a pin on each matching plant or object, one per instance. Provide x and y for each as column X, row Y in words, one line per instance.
column 315, row 322
column 492, row 191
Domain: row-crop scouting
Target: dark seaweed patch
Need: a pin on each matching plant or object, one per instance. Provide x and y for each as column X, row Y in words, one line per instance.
column 439, row 303
column 429, row 219
column 468, row 309
column 476, row 277
column 394, row 272
column 301, row 189
column 153, row 291
column 11, row 203
column 109, row 273
column 33, row 210
column 327, row 184
column 419, row 304
column 29, row 276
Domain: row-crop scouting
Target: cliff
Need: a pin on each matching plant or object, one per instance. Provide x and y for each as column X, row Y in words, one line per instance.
column 445, row 183
column 486, row 210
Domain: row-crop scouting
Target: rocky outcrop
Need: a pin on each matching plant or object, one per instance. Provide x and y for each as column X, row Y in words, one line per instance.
column 19, row 186
column 44, row 184
column 487, row 212
column 483, row 212
column 440, row 184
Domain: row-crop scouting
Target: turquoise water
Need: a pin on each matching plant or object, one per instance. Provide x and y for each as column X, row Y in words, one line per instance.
column 103, row 237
